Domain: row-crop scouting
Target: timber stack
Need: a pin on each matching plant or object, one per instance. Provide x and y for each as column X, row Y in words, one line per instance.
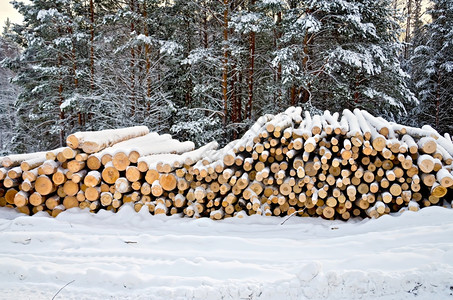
column 330, row 165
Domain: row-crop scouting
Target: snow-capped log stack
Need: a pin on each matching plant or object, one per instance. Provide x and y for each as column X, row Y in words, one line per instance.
column 96, row 170
column 329, row 165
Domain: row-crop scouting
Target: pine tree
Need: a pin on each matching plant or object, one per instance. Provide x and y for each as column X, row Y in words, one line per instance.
column 353, row 57
column 43, row 71
column 432, row 68
column 86, row 65
column 8, row 90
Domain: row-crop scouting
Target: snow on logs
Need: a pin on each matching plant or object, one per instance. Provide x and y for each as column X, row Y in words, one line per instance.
column 336, row 166
column 94, row 141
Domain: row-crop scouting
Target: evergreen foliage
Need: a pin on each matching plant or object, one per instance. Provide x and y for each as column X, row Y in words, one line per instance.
column 205, row 69
column 432, row 68
column 8, row 91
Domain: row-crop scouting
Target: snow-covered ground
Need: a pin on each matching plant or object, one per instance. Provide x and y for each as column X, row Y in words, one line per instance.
column 132, row 255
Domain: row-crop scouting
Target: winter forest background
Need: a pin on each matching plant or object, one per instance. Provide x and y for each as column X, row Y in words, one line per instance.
column 206, row 69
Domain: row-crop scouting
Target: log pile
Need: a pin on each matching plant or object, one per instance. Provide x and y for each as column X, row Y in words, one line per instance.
column 330, row 165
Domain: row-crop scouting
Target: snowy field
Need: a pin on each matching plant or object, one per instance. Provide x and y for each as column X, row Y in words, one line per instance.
column 132, row 255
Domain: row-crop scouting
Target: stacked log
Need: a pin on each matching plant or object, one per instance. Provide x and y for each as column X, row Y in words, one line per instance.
column 329, row 165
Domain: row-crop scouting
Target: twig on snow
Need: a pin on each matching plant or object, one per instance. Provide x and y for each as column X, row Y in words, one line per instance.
column 296, row 212
column 62, row 289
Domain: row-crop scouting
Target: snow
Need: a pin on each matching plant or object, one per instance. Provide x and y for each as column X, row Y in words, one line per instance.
column 109, row 137
column 66, row 103
column 145, row 39
column 309, row 23
column 43, row 14
column 166, row 146
column 169, row 47
column 134, row 144
column 442, row 174
column 199, row 153
column 363, row 61
column 154, row 159
column 50, row 164
column 364, row 126
column 246, row 22
column 132, row 255
column 11, row 159
column 279, row 2
column 122, row 185
column 354, row 127
column 95, row 174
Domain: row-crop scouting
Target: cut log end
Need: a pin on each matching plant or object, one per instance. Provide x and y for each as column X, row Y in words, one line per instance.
column 72, row 141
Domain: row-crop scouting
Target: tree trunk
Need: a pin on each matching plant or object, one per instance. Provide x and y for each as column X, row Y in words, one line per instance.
column 356, row 91
column 188, row 96
column 61, row 99
column 408, row 29
column 74, row 67
column 233, row 98
column 132, row 64
column 92, row 45
column 147, row 57
column 205, row 30
column 139, row 47
column 239, row 98
column 252, row 45
column 307, row 41
column 251, row 73
column 436, row 124
column 278, row 35
column 293, row 94
column 225, row 63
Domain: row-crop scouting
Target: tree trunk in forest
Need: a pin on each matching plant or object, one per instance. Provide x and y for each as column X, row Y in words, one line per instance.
column 132, row 64
column 437, row 103
column 236, row 80
column 225, row 63
column 408, row 29
column 307, row 40
column 293, row 94
column 147, row 57
column 92, row 45
column 277, row 36
column 417, row 18
column 60, row 102
column 139, row 47
column 74, row 68
column 233, row 94
column 60, row 95
column 239, row 98
column 205, row 30
column 74, row 63
column 252, row 45
column 188, row 95
column 293, row 89
column 356, row 89
column 251, row 73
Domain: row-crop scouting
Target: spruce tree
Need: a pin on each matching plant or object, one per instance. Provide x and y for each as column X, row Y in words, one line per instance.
column 352, row 58
column 432, row 68
column 8, row 90
column 43, row 72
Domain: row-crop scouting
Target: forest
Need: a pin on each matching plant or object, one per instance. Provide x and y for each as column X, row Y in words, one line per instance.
column 205, row 70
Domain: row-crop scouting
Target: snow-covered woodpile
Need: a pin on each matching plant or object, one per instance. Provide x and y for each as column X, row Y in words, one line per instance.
column 330, row 165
